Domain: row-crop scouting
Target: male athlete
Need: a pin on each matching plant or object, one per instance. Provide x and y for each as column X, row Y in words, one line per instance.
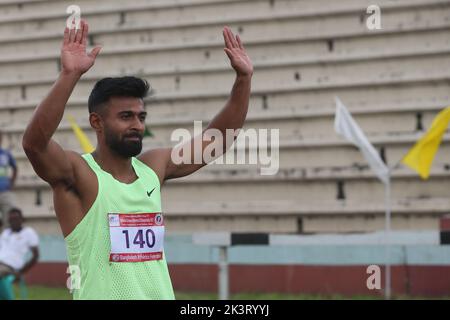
column 108, row 202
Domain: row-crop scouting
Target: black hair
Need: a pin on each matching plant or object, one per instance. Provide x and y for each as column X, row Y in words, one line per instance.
column 15, row 210
column 106, row 88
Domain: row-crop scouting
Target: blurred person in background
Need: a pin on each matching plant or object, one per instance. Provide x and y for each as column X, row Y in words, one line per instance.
column 16, row 243
column 7, row 181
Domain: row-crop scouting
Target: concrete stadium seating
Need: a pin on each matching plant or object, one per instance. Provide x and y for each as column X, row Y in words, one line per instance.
column 305, row 53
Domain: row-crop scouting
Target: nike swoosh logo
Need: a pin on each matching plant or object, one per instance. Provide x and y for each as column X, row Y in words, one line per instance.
column 150, row 193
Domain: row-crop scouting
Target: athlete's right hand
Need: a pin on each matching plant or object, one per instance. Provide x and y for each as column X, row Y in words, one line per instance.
column 74, row 58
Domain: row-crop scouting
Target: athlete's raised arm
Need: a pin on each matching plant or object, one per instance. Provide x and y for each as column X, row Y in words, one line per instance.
column 49, row 160
column 232, row 116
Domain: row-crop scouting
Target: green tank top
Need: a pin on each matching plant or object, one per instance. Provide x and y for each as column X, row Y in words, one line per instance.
column 89, row 245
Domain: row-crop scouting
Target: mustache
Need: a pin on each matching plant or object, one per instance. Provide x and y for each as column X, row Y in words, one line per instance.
column 134, row 135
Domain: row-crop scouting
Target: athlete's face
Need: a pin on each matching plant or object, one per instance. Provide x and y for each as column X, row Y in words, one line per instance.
column 124, row 125
column 15, row 220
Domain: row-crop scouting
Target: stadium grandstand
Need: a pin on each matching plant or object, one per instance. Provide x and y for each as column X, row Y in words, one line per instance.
column 324, row 209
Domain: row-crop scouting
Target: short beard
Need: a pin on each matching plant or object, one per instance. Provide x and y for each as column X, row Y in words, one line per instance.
column 123, row 148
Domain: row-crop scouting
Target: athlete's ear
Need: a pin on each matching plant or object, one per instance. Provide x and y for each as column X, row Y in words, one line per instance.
column 96, row 121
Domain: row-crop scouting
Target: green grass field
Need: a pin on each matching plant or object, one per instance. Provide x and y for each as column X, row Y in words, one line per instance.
column 48, row 293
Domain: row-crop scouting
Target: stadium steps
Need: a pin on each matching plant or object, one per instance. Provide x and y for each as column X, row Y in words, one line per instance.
column 285, row 25
column 314, row 187
column 305, row 53
column 305, row 72
column 294, row 150
column 277, row 216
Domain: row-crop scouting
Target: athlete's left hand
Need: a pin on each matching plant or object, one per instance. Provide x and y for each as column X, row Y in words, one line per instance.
column 235, row 50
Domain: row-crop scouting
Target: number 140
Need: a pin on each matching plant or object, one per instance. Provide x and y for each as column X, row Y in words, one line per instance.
column 139, row 238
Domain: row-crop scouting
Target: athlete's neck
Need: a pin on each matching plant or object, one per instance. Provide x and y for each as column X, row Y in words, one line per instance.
column 120, row 168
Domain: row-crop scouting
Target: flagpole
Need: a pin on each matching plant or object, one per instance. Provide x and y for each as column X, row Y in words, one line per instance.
column 387, row 292
column 345, row 125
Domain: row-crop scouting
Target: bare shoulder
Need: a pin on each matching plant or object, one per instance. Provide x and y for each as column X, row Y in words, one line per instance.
column 157, row 159
column 83, row 173
column 85, row 178
column 74, row 157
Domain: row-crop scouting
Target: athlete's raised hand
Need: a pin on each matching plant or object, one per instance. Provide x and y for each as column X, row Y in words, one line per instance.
column 74, row 57
column 234, row 49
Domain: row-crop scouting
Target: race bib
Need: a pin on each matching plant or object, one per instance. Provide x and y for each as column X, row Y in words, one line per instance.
column 136, row 237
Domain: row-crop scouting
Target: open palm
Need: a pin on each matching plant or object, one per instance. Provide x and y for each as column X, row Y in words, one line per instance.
column 74, row 57
column 235, row 51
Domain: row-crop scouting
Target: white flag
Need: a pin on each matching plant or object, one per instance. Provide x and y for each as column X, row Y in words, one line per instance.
column 349, row 129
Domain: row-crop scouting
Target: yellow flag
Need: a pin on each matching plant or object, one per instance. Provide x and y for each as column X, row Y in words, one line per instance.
column 82, row 138
column 421, row 156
